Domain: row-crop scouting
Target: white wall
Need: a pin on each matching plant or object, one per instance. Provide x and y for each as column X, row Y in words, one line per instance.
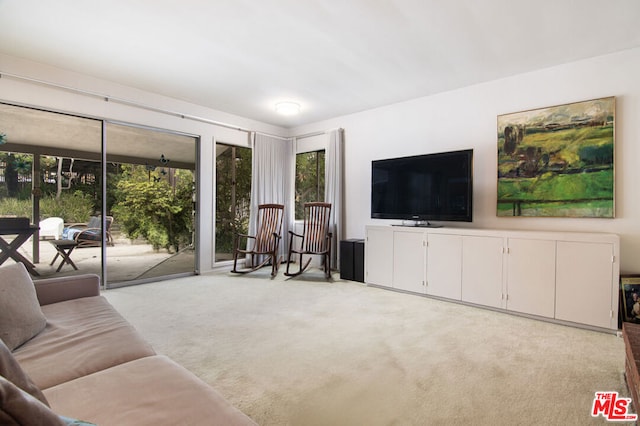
column 466, row 118
column 32, row 94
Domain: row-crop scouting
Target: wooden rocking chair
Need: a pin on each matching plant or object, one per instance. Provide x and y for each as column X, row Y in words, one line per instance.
column 315, row 237
column 265, row 242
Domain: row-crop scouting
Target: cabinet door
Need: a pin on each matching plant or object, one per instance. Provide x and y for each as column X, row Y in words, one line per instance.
column 444, row 266
column 531, row 276
column 409, row 261
column 482, row 270
column 583, row 283
column 379, row 256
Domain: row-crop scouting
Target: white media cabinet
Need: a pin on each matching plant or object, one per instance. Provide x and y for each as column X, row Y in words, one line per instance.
column 568, row 277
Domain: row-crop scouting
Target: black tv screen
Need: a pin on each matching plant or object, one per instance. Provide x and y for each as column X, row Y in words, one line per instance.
column 423, row 187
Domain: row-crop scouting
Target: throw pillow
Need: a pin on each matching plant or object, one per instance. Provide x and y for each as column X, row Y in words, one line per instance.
column 11, row 370
column 19, row 408
column 20, row 315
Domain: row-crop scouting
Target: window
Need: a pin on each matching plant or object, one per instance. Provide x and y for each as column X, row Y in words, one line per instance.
column 309, row 179
column 233, row 191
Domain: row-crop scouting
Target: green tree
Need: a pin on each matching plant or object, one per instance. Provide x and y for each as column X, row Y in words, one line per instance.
column 73, row 207
column 16, row 165
column 155, row 206
column 233, row 192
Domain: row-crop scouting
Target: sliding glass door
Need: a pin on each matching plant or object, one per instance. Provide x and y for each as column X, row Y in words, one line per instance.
column 151, row 177
column 124, row 194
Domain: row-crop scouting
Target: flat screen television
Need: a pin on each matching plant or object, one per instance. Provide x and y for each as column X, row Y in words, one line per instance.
column 423, row 187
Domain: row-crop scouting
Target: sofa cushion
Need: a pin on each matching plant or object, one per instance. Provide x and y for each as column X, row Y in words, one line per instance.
column 17, row 407
column 82, row 336
column 20, row 315
column 148, row 391
column 11, row 370
column 68, row 421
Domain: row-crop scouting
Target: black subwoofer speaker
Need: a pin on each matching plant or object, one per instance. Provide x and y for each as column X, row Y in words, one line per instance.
column 352, row 260
column 358, row 261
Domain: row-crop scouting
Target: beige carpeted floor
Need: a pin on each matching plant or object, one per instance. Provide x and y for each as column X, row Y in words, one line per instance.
column 305, row 351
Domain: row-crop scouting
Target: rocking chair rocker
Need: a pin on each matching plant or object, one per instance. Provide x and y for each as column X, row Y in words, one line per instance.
column 316, row 238
column 265, row 242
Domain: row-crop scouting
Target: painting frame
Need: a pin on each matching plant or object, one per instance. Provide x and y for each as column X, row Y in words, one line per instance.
column 557, row 161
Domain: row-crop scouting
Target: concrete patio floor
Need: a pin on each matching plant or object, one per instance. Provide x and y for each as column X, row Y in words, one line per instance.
column 126, row 261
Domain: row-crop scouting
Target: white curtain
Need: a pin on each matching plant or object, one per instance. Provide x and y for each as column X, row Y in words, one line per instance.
column 271, row 174
column 333, row 191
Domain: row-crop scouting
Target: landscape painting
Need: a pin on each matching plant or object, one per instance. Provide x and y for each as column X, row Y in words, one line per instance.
column 557, row 161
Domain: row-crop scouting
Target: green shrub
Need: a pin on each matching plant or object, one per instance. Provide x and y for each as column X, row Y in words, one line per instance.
column 148, row 207
column 72, row 207
column 15, row 207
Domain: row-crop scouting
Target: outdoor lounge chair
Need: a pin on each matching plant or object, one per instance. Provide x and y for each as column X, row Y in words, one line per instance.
column 315, row 238
column 89, row 234
column 264, row 244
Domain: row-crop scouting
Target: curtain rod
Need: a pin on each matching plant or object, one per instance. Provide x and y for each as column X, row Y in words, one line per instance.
column 108, row 98
column 286, row 138
column 318, row 133
column 123, row 101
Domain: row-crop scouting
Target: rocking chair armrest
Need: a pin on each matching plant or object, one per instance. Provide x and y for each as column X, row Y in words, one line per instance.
column 297, row 235
column 245, row 235
column 237, row 241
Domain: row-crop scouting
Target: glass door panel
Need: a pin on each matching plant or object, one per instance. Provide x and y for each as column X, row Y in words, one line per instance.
column 50, row 173
column 150, row 200
column 233, row 192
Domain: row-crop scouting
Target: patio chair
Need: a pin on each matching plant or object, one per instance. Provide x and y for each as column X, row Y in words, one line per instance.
column 315, row 238
column 264, row 244
column 89, row 234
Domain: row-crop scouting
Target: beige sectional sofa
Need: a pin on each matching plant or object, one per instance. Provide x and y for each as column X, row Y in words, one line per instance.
column 85, row 361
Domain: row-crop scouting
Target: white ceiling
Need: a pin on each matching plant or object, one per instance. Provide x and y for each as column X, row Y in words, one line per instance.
column 334, row 57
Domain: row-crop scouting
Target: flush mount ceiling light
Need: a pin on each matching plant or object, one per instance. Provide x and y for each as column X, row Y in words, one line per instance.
column 287, row 108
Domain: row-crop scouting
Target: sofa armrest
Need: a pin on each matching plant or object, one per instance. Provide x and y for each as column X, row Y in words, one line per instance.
column 53, row 290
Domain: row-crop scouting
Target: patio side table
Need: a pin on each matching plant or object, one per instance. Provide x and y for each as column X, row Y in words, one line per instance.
column 19, row 229
column 64, row 249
